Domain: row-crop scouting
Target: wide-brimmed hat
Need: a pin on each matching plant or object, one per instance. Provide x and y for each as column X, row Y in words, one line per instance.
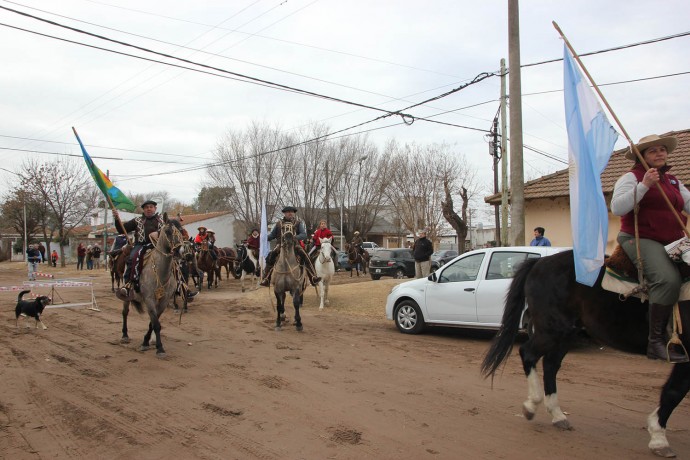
column 289, row 209
column 210, row 230
column 356, row 232
column 669, row 142
column 148, row 202
column 201, row 228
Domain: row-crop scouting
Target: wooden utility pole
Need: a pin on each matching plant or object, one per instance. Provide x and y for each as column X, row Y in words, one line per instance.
column 517, row 173
column 504, row 157
column 328, row 199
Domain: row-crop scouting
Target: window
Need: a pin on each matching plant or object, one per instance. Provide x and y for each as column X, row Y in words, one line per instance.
column 465, row 269
column 504, row 264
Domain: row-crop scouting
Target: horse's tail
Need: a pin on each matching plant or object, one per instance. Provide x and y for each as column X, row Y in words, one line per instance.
column 502, row 344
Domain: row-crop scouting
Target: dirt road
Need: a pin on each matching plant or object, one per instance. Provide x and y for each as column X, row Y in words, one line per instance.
column 349, row 387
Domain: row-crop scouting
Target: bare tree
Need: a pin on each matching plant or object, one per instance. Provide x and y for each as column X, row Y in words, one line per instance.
column 68, row 191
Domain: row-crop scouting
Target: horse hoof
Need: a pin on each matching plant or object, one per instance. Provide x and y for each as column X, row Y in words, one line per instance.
column 665, row 452
column 299, row 328
column 563, row 425
column 161, row 355
column 278, row 328
column 143, row 348
column 124, row 340
column 528, row 414
column 320, row 308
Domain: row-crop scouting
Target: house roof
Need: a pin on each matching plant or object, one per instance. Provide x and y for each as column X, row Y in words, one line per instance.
column 557, row 184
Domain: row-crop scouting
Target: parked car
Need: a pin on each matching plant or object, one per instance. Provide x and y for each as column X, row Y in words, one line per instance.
column 469, row 291
column 343, row 261
column 397, row 263
column 442, row 257
column 370, row 247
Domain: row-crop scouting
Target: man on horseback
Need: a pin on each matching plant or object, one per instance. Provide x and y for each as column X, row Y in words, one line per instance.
column 209, row 237
column 142, row 226
column 656, row 226
column 357, row 242
column 321, row 233
column 289, row 215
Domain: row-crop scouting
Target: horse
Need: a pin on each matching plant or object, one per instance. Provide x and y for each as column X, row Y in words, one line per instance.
column 227, row 258
column 207, row 265
column 325, row 269
column 158, row 283
column 188, row 269
column 117, row 266
column 288, row 276
column 559, row 308
column 247, row 264
column 357, row 259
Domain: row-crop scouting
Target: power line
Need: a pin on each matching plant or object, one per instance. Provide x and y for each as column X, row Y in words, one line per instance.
column 94, row 156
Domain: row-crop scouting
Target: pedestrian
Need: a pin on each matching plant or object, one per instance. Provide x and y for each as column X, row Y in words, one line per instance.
column 54, row 257
column 421, row 251
column 33, row 258
column 81, row 254
column 539, row 238
column 96, row 256
column 89, row 257
column 42, row 250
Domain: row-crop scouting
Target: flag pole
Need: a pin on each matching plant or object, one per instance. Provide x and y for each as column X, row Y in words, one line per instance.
column 116, row 215
column 633, row 147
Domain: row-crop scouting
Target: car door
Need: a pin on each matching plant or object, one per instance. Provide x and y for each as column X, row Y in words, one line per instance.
column 452, row 297
column 492, row 290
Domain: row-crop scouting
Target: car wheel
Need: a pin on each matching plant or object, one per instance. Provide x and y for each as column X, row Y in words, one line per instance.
column 399, row 274
column 408, row 317
column 376, row 277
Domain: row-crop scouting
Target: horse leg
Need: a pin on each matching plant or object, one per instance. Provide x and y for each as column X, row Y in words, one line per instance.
column 125, row 312
column 145, row 345
column 672, row 393
column 326, row 286
column 322, row 294
column 280, row 307
column 160, row 352
column 112, row 281
column 535, row 394
column 242, row 280
column 552, row 364
column 297, row 302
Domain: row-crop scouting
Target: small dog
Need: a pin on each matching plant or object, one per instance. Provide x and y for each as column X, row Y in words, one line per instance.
column 33, row 308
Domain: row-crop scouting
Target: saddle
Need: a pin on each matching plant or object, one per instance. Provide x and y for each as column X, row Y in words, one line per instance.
column 138, row 265
column 620, row 276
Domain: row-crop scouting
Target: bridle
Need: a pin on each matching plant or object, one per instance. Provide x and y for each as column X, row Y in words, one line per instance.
column 175, row 244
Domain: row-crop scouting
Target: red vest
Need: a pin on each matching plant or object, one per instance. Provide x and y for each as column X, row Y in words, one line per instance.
column 654, row 219
column 321, row 233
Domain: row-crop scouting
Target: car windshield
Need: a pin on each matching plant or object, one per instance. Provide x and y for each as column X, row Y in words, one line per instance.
column 385, row 255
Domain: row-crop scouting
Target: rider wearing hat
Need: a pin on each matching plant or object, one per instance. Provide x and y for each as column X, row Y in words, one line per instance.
column 289, row 215
column 321, row 233
column 208, row 235
column 357, row 242
column 143, row 226
column 657, row 226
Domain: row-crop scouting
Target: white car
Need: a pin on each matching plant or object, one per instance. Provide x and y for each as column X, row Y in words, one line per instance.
column 469, row 291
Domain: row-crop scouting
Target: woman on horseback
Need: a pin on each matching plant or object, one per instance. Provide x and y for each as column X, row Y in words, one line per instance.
column 657, row 226
column 289, row 215
column 321, row 233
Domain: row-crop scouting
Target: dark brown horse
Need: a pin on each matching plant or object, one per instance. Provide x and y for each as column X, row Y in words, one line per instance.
column 117, row 266
column 226, row 258
column 357, row 259
column 288, row 276
column 559, row 308
column 207, row 265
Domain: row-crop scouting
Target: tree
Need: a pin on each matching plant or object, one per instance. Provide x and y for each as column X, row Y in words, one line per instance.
column 67, row 190
column 213, row 199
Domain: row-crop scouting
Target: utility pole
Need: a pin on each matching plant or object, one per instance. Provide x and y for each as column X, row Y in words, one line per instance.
column 328, row 206
column 504, row 158
column 105, row 226
column 495, row 155
column 517, row 173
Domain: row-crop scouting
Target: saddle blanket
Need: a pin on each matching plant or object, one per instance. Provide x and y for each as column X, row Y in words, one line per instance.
column 614, row 282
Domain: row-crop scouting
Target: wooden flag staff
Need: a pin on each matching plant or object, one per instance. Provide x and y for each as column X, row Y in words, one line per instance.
column 633, row 147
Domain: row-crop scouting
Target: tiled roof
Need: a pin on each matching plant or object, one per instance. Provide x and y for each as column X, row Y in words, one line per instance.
column 556, row 184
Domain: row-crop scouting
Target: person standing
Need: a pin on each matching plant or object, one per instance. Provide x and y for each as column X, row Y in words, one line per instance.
column 657, row 226
column 96, row 256
column 54, row 257
column 539, row 238
column 81, row 254
column 421, row 251
column 42, row 250
column 89, row 257
column 33, row 258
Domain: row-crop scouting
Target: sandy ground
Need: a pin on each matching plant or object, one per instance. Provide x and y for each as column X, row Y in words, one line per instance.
column 349, row 387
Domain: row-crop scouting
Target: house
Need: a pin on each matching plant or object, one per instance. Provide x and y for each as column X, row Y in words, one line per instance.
column 547, row 199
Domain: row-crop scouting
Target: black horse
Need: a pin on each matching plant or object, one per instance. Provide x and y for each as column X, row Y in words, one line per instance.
column 559, row 309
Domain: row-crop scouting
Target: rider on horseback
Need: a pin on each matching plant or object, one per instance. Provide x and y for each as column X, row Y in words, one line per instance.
column 142, row 226
column 323, row 232
column 357, row 242
column 208, row 236
column 301, row 234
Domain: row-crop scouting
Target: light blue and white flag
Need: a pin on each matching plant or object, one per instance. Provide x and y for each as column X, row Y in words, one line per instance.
column 590, row 143
column 263, row 238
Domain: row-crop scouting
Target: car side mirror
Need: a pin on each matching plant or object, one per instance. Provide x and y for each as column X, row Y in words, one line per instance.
column 432, row 277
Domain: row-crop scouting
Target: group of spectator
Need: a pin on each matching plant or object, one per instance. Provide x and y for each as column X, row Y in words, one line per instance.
column 90, row 254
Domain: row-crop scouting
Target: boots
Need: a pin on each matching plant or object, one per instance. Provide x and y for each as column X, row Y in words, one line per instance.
column 656, row 348
column 266, row 281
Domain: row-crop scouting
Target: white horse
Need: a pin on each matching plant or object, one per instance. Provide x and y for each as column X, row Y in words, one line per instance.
column 325, row 269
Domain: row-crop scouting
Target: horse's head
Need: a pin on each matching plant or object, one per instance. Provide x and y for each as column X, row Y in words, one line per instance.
column 287, row 234
column 172, row 236
column 326, row 249
column 187, row 251
column 241, row 251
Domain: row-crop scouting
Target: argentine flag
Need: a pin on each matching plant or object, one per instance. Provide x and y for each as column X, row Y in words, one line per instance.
column 263, row 238
column 590, row 143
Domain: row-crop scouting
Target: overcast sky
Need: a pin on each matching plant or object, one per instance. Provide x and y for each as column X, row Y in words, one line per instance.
column 383, row 54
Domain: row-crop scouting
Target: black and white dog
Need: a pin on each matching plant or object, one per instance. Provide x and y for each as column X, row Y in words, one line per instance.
column 33, row 308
